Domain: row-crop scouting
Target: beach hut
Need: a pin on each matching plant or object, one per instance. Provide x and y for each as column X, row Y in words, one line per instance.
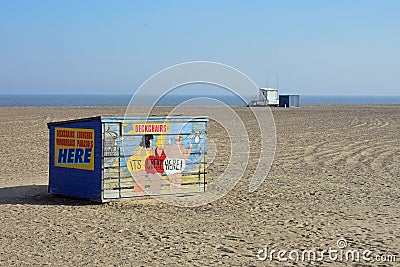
column 107, row 158
column 289, row 100
column 266, row 97
column 271, row 95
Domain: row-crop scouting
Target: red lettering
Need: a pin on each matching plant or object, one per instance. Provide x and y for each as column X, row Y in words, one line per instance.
column 85, row 135
column 151, row 128
column 65, row 133
column 65, row 142
column 85, row 143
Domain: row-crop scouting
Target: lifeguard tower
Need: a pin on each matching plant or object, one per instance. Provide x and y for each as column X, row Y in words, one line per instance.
column 266, row 97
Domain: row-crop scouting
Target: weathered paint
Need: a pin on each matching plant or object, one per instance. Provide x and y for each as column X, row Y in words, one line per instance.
column 154, row 156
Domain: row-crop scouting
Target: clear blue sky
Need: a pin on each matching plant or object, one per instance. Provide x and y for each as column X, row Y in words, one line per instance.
column 316, row 47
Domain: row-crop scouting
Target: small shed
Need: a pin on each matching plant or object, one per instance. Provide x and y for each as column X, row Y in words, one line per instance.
column 289, row 100
column 271, row 95
column 107, row 158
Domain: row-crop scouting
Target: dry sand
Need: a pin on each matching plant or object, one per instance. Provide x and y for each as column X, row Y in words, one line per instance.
column 336, row 174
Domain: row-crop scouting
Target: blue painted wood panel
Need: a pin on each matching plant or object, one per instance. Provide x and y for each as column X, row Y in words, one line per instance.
column 71, row 181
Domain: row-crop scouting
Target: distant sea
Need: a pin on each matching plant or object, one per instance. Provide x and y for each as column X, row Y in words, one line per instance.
column 173, row 100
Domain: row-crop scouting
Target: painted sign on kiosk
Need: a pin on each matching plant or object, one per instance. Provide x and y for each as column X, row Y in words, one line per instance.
column 146, row 128
column 74, row 148
column 154, row 156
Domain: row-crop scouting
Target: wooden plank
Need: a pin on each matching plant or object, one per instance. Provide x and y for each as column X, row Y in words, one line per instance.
column 111, row 194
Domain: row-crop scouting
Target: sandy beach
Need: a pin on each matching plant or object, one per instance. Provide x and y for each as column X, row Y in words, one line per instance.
column 335, row 176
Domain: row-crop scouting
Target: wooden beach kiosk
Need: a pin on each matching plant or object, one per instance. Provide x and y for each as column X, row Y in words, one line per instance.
column 108, row 158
